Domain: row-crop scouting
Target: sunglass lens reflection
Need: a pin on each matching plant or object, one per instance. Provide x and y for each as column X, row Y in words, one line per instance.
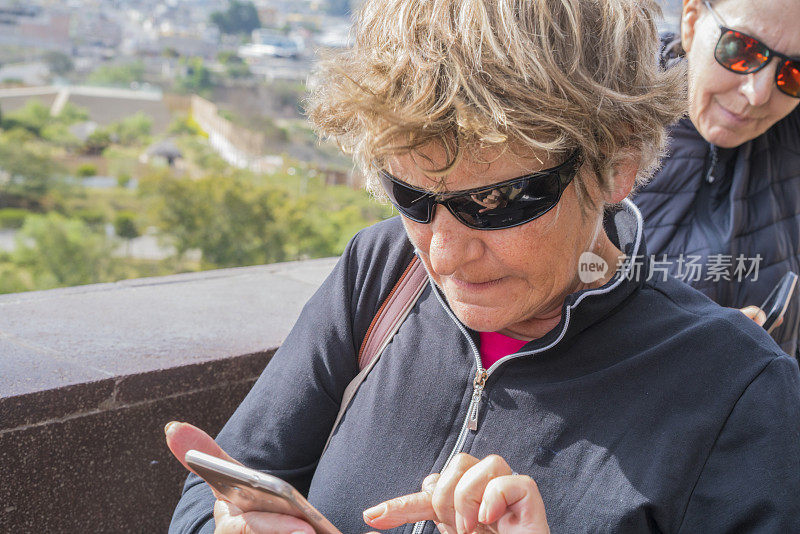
column 741, row 53
column 788, row 78
column 507, row 206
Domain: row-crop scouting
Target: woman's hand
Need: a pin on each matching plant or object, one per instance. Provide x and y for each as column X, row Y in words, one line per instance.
column 228, row 518
column 755, row 313
column 469, row 496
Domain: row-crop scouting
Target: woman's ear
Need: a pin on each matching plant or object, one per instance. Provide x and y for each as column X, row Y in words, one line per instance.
column 691, row 13
column 624, row 177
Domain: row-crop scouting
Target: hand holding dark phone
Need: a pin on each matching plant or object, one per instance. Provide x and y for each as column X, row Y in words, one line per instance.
column 778, row 300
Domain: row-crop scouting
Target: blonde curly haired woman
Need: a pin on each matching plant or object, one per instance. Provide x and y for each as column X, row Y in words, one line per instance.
column 542, row 380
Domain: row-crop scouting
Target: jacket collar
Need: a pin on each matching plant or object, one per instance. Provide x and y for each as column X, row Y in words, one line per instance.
column 625, row 227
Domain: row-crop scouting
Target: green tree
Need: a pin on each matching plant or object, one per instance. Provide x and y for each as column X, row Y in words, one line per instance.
column 58, row 62
column 132, row 130
column 240, row 17
column 126, row 228
column 197, row 78
column 125, row 225
column 231, row 221
column 33, row 116
column 184, row 125
column 58, row 134
column 27, row 175
column 124, row 74
column 244, row 219
column 62, row 252
column 235, row 67
column 96, row 143
column 13, row 217
column 70, row 114
column 85, row 170
column 14, row 279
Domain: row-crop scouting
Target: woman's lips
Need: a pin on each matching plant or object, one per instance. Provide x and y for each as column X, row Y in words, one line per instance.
column 735, row 118
column 475, row 286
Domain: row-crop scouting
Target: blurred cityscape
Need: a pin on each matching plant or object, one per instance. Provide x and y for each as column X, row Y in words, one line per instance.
column 96, row 31
column 145, row 137
column 672, row 14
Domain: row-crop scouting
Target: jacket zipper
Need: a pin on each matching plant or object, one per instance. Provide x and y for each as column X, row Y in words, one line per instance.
column 475, row 404
column 707, row 225
column 481, row 375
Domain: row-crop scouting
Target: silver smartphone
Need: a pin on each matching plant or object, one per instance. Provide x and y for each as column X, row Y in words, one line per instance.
column 778, row 300
column 253, row 491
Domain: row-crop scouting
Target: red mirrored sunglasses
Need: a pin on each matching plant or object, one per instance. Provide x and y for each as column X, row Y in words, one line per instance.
column 743, row 54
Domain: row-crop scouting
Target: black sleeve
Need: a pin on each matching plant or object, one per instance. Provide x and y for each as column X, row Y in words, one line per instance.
column 284, row 422
column 751, row 478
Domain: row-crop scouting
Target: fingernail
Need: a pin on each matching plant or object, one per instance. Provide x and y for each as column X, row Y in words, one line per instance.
column 298, row 532
column 371, row 514
column 461, row 524
column 482, row 512
column 171, row 426
column 761, row 317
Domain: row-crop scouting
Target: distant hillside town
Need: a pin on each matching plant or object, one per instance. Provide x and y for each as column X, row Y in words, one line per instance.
column 149, row 137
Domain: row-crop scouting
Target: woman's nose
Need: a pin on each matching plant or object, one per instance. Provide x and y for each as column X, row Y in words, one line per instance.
column 757, row 87
column 452, row 244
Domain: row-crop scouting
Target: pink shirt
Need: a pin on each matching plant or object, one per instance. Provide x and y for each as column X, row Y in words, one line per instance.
column 495, row 346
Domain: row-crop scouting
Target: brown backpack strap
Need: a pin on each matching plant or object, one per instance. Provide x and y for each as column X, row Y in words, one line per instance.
column 384, row 325
column 392, row 312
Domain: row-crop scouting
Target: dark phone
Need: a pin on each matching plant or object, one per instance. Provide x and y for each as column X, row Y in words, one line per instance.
column 778, row 300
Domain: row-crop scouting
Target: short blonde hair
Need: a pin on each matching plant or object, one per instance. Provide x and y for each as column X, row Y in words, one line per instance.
column 541, row 75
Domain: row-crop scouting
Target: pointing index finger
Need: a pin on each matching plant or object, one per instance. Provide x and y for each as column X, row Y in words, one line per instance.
column 401, row 510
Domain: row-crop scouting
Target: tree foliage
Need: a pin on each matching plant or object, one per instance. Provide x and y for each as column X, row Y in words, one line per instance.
column 27, row 175
column 124, row 74
column 240, row 17
column 58, row 251
column 235, row 220
column 96, row 143
column 35, row 118
column 125, row 225
column 58, row 62
column 231, row 222
column 133, row 130
column 235, row 67
column 197, row 78
column 233, row 217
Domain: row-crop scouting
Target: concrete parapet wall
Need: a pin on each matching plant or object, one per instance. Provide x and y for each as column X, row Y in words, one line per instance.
column 90, row 375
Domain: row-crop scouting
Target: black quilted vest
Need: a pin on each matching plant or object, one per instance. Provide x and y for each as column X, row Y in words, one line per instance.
column 708, row 201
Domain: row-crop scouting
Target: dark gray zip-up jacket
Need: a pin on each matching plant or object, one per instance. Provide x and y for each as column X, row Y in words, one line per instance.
column 647, row 409
column 745, row 201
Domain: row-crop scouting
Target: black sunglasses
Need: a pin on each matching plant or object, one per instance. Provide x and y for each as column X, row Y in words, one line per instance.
column 743, row 54
column 494, row 207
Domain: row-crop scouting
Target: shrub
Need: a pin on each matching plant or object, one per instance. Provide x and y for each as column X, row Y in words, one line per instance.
column 12, row 218
column 85, row 170
column 125, row 225
column 90, row 216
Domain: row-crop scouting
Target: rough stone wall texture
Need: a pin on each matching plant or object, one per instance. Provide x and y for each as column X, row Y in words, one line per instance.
column 89, row 376
column 106, row 469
